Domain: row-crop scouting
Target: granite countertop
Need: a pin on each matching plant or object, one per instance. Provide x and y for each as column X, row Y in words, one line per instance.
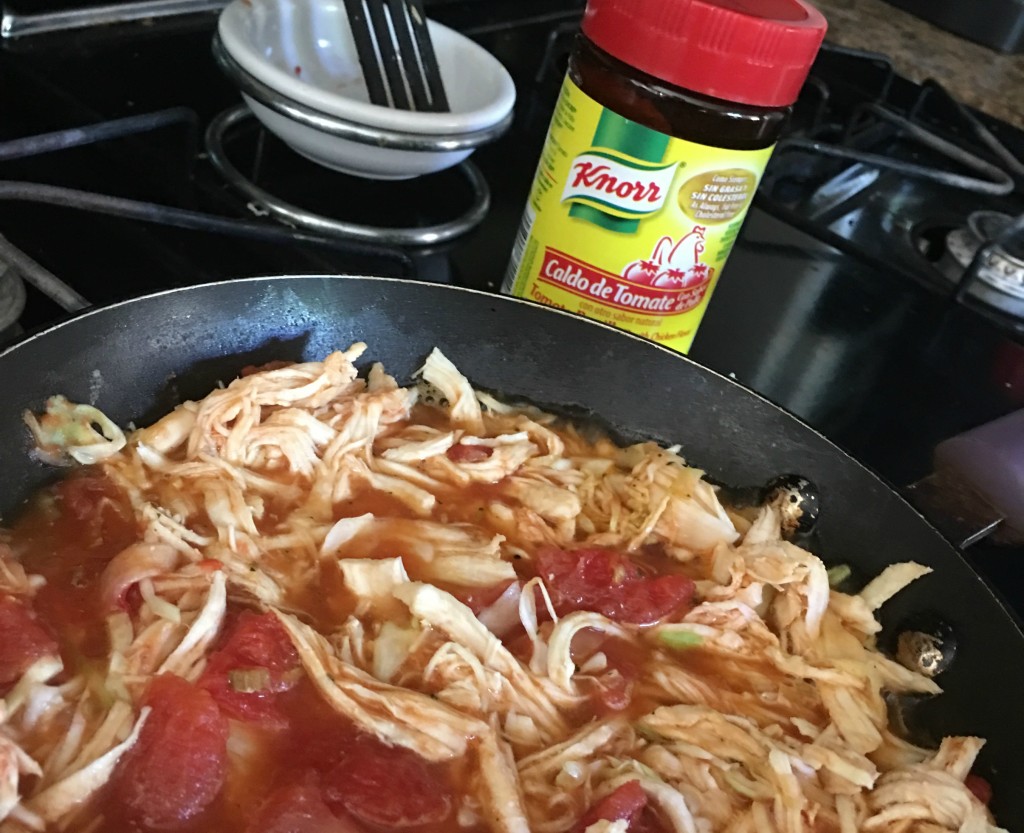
column 987, row 80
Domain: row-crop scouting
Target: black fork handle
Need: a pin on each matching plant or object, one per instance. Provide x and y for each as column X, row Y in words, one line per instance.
column 367, row 52
column 410, row 59
column 388, row 55
column 428, row 59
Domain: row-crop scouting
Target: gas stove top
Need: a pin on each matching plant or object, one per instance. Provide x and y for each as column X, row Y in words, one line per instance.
column 846, row 298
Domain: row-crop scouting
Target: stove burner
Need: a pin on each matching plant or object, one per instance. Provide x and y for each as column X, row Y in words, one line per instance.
column 219, row 130
column 999, row 268
column 908, row 180
column 987, row 252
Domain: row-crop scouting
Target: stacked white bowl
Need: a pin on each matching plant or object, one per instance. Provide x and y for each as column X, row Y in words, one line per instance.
column 295, row 62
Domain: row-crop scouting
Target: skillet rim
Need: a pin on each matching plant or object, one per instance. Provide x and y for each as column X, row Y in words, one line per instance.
column 949, row 552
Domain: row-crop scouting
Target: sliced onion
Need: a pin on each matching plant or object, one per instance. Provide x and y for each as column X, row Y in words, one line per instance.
column 132, row 565
column 344, row 531
column 502, row 615
column 160, row 606
column 391, row 648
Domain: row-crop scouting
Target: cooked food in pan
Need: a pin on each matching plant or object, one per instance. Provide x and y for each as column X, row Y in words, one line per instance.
column 318, row 602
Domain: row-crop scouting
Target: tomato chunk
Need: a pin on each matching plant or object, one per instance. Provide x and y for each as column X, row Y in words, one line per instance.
column 299, row 808
column 178, row 765
column 610, row 583
column 258, row 645
column 460, row 453
column 624, row 803
column 981, row 788
column 23, row 640
column 387, row 786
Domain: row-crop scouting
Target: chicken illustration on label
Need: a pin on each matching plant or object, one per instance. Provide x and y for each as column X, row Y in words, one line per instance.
column 675, row 265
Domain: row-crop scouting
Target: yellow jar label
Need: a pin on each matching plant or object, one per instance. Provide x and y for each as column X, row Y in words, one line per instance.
column 627, row 225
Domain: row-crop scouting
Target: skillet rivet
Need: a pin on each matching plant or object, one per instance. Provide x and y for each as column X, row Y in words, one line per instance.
column 926, row 653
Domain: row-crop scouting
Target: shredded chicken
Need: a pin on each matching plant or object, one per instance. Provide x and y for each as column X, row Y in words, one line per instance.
column 396, row 533
column 397, row 715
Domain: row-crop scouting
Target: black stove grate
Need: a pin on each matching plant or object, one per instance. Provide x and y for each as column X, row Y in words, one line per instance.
column 883, row 170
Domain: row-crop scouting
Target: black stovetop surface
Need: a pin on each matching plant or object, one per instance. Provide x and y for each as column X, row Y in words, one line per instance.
column 53, row 82
column 879, row 364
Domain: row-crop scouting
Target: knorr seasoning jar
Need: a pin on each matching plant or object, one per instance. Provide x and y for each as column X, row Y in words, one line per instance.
column 666, row 120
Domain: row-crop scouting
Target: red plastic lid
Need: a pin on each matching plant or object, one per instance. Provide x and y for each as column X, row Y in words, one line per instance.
column 748, row 51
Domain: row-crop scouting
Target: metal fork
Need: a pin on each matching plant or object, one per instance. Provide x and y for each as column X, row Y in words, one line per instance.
column 396, row 54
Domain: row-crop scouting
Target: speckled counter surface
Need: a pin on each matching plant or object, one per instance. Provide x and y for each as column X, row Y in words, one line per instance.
column 985, row 79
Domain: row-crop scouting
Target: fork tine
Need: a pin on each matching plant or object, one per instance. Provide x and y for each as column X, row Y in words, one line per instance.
column 388, row 56
column 414, row 71
column 367, row 52
column 428, row 59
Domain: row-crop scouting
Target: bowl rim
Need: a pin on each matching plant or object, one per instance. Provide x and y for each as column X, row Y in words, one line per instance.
column 231, row 28
column 346, row 129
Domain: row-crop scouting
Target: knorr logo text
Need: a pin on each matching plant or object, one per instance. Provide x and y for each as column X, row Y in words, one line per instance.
column 617, row 186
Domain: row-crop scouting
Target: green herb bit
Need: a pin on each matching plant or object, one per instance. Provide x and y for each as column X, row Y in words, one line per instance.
column 838, row 574
column 680, row 639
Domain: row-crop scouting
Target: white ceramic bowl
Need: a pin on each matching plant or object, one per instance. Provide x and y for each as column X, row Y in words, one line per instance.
column 303, row 51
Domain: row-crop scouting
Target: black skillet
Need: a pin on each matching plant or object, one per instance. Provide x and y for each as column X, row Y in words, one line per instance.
column 137, row 359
